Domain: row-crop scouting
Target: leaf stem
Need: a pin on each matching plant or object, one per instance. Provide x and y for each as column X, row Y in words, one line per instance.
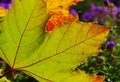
column 6, row 73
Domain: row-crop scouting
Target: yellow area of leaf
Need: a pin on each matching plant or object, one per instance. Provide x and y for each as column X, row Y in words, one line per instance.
column 57, row 6
column 3, row 11
column 64, row 49
column 81, row 76
column 4, row 79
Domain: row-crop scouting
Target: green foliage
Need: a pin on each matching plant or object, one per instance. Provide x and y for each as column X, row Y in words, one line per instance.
column 103, row 64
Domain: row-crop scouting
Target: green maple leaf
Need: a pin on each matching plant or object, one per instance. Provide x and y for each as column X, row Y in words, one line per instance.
column 46, row 56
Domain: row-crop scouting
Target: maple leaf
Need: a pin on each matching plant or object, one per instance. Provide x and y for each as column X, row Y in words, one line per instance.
column 46, row 56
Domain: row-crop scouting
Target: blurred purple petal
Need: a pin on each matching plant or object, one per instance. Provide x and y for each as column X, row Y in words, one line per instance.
column 73, row 12
column 115, row 11
column 106, row 10
column 87, row 16
column 5, row 3
column 110, row 44
column 96, row 9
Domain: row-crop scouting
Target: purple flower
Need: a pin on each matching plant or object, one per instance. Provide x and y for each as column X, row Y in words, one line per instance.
column 106, row 10
column 73, row 12
column 4, row 7
column 96, row 9
column 5, row 4
column 115, row 11
column 110, row 44
column 87, row 16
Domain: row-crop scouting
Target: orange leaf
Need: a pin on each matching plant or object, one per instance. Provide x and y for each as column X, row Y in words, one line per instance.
column 58, row 19
column 98, row 78
column 3, row 11
column 55, row 6
column 59, row 11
